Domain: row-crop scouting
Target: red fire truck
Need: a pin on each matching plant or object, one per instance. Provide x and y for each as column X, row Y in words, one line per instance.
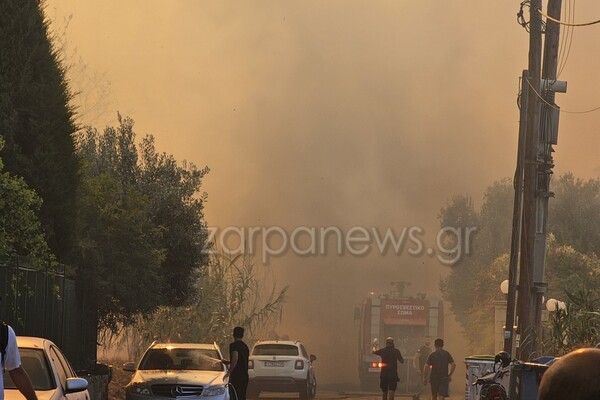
column 411, row 321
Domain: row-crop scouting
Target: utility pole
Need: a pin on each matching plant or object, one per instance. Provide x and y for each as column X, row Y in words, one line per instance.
column 526, row 295
column 541, row 133
column 517, row 218
column 548, row 136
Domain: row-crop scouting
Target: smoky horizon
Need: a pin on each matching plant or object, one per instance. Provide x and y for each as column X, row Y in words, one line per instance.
column 329, row 114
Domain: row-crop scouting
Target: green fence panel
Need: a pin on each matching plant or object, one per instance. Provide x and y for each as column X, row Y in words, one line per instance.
column 46, row 303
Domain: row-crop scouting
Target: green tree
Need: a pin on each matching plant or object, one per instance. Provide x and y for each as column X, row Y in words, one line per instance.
column 142, row 224
column 574, row 215
column 569, row 270
column 568, row 274
column 480, row 323
column 36, row 120
column 459, row 213
column 495, row 220
column 177, row 207
column 571, row 261
column 20, row 229
column 120, row 251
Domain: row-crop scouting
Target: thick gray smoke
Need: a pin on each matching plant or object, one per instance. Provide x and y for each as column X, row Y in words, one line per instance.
column 334, row 114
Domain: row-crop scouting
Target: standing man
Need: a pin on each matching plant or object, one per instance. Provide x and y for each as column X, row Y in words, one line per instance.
column 422, row 355
column 436, row 371
column 11, row 362
column 238, row 367
column 390, row 355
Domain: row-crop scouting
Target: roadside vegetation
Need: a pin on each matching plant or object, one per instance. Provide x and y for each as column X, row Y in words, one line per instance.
column 125, row 218
column 572, row 264
column 230, row 293
column 128, row 220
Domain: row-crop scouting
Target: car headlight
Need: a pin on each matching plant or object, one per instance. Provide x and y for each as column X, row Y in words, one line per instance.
column 139, row 389
column 214, row 390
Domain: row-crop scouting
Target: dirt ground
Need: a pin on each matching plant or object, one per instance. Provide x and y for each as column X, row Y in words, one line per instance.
column 116, row 387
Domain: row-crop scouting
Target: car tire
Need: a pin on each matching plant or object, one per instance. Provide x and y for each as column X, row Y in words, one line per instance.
column 313, row 389
column 253, row 394
column 305, row 390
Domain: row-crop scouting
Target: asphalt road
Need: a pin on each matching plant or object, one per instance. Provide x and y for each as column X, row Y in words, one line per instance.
column 330, row 394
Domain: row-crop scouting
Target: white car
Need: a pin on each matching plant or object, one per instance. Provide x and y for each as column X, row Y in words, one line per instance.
column 50, row 372
column 177, row 370
column 281, row 366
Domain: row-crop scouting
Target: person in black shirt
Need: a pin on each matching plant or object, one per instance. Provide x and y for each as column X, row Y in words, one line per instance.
column 422, row 355
column 238, row 365
column 439, row 377
column 388, row 379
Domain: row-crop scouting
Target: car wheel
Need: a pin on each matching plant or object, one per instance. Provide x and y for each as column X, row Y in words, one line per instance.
column 313, row 388
column 305, row 390
column 253, row 394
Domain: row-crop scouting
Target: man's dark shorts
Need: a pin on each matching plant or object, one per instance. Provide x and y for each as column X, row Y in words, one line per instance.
column 388, row 383
column 440, row 387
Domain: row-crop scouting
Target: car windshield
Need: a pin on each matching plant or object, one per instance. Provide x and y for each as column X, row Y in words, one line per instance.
column 275, row 350
column 182, row 359
column 35, row 363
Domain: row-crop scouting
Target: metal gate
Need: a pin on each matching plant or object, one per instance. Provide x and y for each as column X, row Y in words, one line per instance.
column 44, row 302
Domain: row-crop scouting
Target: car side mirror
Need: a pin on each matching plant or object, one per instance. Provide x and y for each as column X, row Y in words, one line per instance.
column 76, row 385
column 313, row 358
column 129, row 366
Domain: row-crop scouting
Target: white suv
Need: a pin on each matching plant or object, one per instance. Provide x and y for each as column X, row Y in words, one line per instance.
column 281, row 366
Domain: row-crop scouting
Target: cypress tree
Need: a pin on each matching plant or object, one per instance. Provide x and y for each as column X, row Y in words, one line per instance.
column 36, row 119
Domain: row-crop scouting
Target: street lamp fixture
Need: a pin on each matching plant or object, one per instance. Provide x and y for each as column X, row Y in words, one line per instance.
column 553, row 305
column 504, row 287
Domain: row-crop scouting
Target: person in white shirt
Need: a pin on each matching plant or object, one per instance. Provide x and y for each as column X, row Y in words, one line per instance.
column 12, row 363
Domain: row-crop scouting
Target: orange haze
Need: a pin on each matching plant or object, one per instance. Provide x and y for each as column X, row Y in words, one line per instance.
column 334, row 113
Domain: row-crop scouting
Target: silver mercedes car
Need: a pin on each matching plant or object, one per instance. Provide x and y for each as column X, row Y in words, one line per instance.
column 176, row 370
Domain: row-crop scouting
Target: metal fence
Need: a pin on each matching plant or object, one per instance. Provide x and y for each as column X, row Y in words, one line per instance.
column 46, row 303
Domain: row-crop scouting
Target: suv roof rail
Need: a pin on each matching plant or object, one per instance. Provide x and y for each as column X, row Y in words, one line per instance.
column 277, row 340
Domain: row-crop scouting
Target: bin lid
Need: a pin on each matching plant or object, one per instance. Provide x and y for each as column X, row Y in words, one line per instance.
column 480, row 357
column 530, row 366
column 547, row 360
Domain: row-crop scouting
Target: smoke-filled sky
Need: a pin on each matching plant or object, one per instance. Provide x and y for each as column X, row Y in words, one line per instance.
column 333, row 113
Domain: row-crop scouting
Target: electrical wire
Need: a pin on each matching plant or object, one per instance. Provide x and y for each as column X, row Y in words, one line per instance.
column 520, row 16
column 566, row 40
column 568, row 23
column 565, row 48
column 555, row 106
column 527, row 24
